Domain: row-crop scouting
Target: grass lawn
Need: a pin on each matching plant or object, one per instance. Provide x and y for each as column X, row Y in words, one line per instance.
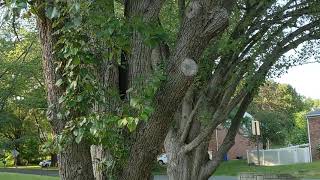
column 12, row 176
column 233, row 167
column 33, row 167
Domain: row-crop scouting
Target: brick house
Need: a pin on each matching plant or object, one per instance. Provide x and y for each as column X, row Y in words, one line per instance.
column 313, row 119
column 238, row 150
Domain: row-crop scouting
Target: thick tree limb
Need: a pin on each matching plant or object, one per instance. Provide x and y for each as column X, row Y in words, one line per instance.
column 189, row 120
column 195, row 33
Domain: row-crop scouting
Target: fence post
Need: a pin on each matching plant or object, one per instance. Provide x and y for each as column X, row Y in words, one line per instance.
column 295, row 156
column 263, row 157
column 279, row 162
column 248, row 157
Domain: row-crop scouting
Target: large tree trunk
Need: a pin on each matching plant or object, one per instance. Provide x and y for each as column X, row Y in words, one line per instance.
column 178, row 165
column 74, row 159
column 185, row 166
column 75, row 162
column 196, row 31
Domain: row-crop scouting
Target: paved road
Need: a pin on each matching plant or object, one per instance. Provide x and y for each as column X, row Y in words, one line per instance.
column 45, row 172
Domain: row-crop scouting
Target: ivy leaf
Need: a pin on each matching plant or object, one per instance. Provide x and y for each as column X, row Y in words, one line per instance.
column 52, row 12
column 78, row 139
column 93, row 130
column 123, row 122
column 133, row 102
column 62, row 99
column 74, row 84
column 77, row 21
column 59, row 82
column 131, row 127
column 77, row 6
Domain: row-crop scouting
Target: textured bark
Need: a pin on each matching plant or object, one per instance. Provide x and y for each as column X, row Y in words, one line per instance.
column 108, row 75
column 99, row 156
column 74, row 160
column 195, row 165
column 178, row 166
column 196, row 32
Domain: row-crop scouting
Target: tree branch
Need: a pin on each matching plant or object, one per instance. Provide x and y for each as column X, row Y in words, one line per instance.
column 189, row 120
column 228, row 141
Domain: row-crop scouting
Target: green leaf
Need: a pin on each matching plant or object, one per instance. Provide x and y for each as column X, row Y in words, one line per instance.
column 59, row 82
column 77, row 6
column 83, row 121
column 76, row 132
column 52, row 12
column 74, row 84
column 79, row 98
column 59, row 115
column 133, row 102
column 123, row 122
column 78, row 139
column 93, row 130
column 131, row 126
column 77, row 21
column 62, row 99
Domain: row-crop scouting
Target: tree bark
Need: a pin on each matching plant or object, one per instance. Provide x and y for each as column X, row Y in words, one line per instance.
column 74, row 159
column 75, row 162
column 99, row 156
column 108, row 76
column 194, row 37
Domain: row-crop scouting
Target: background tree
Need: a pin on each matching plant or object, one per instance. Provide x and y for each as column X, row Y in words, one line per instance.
column 22, row 94
column 282, row 113
column 275, row 107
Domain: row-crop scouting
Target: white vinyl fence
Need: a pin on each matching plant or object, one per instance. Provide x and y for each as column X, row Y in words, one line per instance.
column 282, row 156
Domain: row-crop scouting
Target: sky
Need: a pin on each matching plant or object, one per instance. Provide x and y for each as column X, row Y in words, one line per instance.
column 305, row 79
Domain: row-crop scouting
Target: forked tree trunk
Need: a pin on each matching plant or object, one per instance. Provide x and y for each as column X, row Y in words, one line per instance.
column 196, row 31
column 184, row 166
column 75, row 159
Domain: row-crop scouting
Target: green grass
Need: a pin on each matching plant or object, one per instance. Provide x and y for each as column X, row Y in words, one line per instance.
column 30, row 167
column 33, row 167
column 13, row 176
column 234, row 167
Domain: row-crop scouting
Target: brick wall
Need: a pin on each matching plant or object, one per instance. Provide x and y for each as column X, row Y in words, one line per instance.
column 314, row 132
column 242, row 144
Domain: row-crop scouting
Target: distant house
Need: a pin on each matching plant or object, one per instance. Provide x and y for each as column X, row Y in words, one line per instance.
column 238, row 150
column 313, row 119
